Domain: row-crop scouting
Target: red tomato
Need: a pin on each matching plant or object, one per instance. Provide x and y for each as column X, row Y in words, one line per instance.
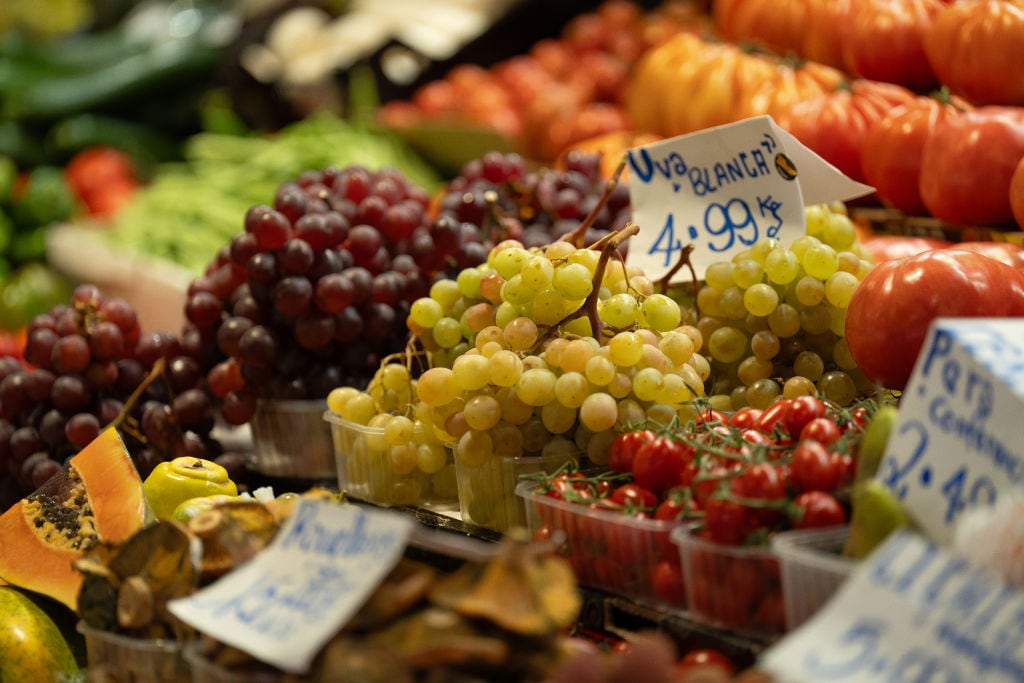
column 1017, row 193
column 624, row 447
column 772, row 416
column 884, row 41
column 632, row 496
column 813, row 468
column 821, row 429
column 760, row 481
column 891, row 154
column 892, row 247
column 974, row 48
column 817, row 509
column 800, row 411
column 668, row 583
column 834, row 124
column 705, row 657
column 658, row 465
column 967, row 164
column 745, row 418
column 677, row 505
column 893, row 306
column 1006, row 252
column 727, row 522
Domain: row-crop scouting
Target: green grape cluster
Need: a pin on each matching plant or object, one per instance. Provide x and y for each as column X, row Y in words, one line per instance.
column 394, row 455
column 772, row 318
column 519, row 370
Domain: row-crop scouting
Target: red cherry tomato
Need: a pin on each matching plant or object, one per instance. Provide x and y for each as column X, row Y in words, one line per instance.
column 727, row 522
column 760, row 481
column 658, row 465
column 772, row 416
column 624, row 447
column 817, row 509
column 668, row 582
column 821, row 429
column 813, row 468
column 800, row 411
column 678, row 504
column 634, row 497
column 745, row 418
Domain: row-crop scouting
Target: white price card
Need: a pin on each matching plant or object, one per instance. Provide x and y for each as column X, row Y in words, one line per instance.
column 911, row 613
column 722, row 189
column 957, row 443
column 286, row 603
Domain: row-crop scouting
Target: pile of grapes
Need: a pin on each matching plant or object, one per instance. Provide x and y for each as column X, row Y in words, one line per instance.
column 772, row 318
column 91, row 366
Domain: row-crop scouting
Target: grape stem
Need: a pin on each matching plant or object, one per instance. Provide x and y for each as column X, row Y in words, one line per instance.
column 123, row 421
column 684, row 260
column 576, row 235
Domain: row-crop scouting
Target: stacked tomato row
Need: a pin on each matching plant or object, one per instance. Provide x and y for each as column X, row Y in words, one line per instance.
column 732, row 480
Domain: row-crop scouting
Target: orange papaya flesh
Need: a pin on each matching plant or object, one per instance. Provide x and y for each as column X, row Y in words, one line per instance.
column 97, row 497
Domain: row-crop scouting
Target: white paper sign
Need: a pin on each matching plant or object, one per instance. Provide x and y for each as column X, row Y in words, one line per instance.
column 911, row 613
column 286, row 603
column 722, row 189
column 958, row 442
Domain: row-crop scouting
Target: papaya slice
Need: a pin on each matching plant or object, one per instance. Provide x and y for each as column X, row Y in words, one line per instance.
column 98, row 496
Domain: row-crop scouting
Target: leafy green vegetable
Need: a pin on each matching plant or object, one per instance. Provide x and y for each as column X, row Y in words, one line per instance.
column 193, row 209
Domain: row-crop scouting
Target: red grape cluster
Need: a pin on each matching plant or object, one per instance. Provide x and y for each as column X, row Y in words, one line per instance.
column 89, row 365
column 315, row 291
column 497, row 197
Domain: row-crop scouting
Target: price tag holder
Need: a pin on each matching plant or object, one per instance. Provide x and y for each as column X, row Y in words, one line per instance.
column 286, row 603
column 957, row 443
column 722, row 189
column 911, row 613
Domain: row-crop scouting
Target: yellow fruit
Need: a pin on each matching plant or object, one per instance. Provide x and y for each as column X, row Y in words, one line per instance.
column 32, row 648
column 172, row 483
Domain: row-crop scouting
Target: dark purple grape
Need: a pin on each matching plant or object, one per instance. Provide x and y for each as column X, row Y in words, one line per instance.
column 271, row 228
column 70, row 354
column 192, row 408
column 70, row 394
column 203, row 310
column 183, row 373
column 106, row 341
column 314, row 331
column 257, row 346
column 295, row 257
column 293, row 296
column 81, row 429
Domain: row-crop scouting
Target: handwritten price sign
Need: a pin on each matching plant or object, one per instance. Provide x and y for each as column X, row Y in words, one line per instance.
column 957, row 444
column 286, row 603
column 723, row 189
column 912, row 613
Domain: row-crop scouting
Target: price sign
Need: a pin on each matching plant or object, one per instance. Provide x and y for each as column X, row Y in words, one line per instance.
column 722, row 189
column 288, row 601
column 958, row 442
column 911, row 613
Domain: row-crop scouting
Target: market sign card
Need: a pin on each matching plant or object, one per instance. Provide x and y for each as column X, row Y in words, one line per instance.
column 721, row 190
column 286, row 603
column 958, row 441
column 910, row 613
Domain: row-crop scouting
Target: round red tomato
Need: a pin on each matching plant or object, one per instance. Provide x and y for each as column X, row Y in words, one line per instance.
column 813, row 468
column 834, row 124
column 976, row 47
column 677, row 505
column 967, row 164
column 624, row 447
column 1005, row 252
column 745, row 418
column 892, row 247
column 821, row 429
column 893, row 306
column 800, row 411
column 771, row 417
column 891, row 154
column 885, row 41
column 727, row 522
column 634, row 497
column 760, row 481
column 658, row 465
column 817, row 509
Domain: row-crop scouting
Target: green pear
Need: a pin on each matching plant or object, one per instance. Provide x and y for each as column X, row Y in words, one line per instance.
column 873, row 442
column 876, row 513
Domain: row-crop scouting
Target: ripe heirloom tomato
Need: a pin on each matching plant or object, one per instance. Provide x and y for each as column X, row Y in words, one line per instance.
column 892, row 247
column 884, row 41
column 1005, row 252
column 976, row 46
column 834, row 124
column 1017, row 193
column 891, row 154
column 893, row 306
column 967, row 164
column 624, row 447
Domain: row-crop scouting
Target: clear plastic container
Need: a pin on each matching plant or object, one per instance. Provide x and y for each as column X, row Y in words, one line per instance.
column 365, row 470
column 812, row 567
column 734, row 587
column 120, row 659
column 291, row 441
column 205, row 671
column 487, row 494
column 611, row 551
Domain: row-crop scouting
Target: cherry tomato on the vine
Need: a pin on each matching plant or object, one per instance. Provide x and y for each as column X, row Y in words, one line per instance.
column 817, row 509
column 800, row 411
column 813, row 468
column 658, row 464
column 745, row 418
column 634, row 496
column 772, row 416
column 705, row 657
column 727, row 522
column 624, row 447
column 821, row 429
column 678, row 504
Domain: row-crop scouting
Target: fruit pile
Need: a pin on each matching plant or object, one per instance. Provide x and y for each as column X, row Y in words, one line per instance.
column 90, row 366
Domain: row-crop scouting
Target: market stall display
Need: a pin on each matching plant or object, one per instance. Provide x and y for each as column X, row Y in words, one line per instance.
column 430, row 413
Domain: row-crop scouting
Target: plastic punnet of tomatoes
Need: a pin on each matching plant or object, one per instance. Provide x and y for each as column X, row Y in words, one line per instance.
column 734, row 587
column 612, row 546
